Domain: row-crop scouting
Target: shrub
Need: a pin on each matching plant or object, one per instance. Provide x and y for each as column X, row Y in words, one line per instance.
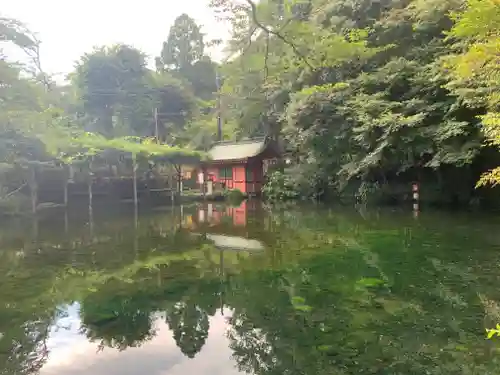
column 279, row 187
column 234, row 196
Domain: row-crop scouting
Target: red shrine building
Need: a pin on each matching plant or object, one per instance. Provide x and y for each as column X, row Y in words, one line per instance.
column 241, row 165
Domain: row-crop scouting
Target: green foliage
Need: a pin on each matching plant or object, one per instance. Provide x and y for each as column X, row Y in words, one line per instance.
column 28, row 114
column 362, row 91
column 184, row 45
column 234, row 196
column 109, row 81
column 368, row 96
column 113, row 102
column 331, row 284
column 133, row 145
column 119, row 96
column 14, row 31
column 493, row 331
column 183, row 56
column 279, row 186
column 475, row 71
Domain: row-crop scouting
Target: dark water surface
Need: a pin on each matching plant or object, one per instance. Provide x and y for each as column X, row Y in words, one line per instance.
column 227, row 290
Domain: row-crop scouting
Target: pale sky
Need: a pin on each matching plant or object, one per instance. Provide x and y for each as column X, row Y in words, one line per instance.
column 68, row 28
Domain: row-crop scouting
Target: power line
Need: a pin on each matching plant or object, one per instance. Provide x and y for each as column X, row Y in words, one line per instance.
column 134, row 91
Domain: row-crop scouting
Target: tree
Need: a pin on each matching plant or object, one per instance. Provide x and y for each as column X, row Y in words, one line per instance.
column 28, row 108
column 114, row 322
column 111, row 82
column 357, row 90
column 476, row 71
column 183, row 56
column 184, row 46
column 175, row 105
column 189, row 324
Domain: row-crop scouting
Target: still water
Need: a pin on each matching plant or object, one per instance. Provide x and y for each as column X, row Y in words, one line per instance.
column 213, row 289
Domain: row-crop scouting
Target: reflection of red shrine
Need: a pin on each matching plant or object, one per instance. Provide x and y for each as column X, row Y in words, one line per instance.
column 212, row 214
column 227, row 226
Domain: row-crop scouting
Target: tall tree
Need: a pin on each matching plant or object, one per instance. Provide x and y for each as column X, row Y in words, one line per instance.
column 175, row 105
column 189, row 324
column 184, row 46
column 476, row 71
column 183, row 55
column 111, row 83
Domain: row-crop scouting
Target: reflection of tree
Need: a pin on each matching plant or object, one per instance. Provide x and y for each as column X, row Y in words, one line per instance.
column 119, row 313
column 266, row 334
column 318, row 303
column 119, row 292
column 251, row 348
column 116, row 322
column 189, row 324
column 23, row 348
column 354, row 309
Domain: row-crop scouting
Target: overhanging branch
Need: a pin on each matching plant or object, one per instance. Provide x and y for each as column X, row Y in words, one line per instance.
column 277, row 34
column 252, row 33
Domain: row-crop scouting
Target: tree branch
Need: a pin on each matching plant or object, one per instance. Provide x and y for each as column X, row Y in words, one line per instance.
column 276, row 34
column 252, row 33
column 266, row 58
column 13, row 192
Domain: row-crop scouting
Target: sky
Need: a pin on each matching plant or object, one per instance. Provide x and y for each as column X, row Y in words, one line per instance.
column 69, row 28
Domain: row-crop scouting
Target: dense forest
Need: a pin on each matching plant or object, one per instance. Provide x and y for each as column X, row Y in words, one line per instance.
column 368, row 96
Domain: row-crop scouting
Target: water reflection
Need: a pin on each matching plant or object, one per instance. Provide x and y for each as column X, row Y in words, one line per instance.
column 72, row 353
column 216, row 289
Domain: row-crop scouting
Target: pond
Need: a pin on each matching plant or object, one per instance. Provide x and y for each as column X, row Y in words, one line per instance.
column 214, row 289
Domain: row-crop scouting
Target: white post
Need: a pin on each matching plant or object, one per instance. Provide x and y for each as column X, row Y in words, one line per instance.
column 201, row 181
column 210, row 187
column 66, row 182
column 89, row 185
column 134, row 173
column 90, row 193
column 156, row 126
column 66, row 194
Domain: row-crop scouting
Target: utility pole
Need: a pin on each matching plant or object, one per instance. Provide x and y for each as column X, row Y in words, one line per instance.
column 281, row 10
column 219, row 118
column 156, row 125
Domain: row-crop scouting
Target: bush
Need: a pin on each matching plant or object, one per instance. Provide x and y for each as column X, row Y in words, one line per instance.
column 279, row 187
column 234, row 196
